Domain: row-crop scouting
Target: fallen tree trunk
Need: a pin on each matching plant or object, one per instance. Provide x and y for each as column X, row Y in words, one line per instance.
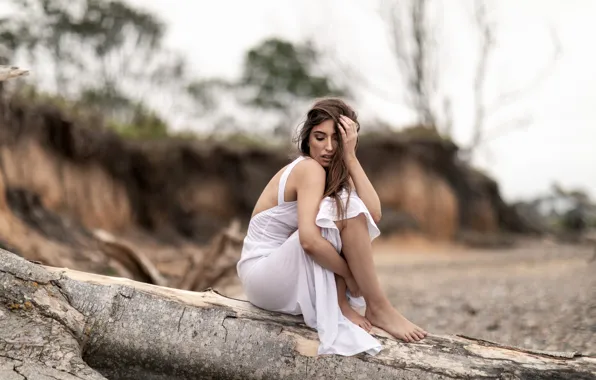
column 67, row 324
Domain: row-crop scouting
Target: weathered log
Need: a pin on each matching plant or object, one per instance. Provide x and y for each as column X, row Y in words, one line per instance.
column 218, row 260
column 66, row 324
column 135, row 263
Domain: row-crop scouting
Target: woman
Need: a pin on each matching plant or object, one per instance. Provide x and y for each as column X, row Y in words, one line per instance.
column 317, row 206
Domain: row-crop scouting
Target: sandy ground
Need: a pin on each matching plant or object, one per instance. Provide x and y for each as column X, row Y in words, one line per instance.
column 538, row 295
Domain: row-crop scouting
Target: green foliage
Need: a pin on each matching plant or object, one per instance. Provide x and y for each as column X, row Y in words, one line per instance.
column 108, row 57
column 277, row 76
column 72, row 109
column 245, row 140
column 280, row 71
column 204, row 92
column 79, row 35
column 184, row 135
column 105, row 54
column 563, row 210
column 115, row 106
column 145, row 125
column 141, row 123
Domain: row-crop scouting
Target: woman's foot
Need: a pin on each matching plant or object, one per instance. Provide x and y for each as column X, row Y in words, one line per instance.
column 354, row 317
column 391, row 320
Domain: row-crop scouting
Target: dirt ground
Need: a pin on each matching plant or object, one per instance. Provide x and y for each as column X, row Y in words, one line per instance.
column 538, row 295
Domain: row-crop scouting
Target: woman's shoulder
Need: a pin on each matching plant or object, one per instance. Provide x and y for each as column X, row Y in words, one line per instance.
column 308, row 167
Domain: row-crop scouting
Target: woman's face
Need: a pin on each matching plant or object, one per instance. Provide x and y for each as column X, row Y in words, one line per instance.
column 323, row 142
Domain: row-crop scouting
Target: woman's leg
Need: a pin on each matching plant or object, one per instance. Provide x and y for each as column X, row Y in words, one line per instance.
column 357, row 249
column 346, row 309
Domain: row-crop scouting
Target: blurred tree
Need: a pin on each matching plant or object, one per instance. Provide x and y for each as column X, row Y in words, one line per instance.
column 104, row 53
column 415, row 28
column 277, row 77
column 415, row 47
column 279, row 72
column 144, row 124
column 560, row 209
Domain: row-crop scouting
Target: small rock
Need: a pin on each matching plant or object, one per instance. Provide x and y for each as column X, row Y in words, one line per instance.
column 493, row 326
column 469, row 309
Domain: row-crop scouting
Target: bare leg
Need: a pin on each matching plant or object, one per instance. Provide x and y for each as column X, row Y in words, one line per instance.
column 346, row 309
column 379, row 311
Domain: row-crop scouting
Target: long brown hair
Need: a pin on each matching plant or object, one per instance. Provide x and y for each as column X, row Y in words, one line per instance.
column 337, row 172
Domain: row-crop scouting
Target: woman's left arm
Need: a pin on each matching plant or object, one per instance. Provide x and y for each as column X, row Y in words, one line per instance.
column 365, row 189
column 360, row 180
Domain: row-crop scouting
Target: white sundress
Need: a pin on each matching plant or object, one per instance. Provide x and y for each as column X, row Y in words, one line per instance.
column 278, row 275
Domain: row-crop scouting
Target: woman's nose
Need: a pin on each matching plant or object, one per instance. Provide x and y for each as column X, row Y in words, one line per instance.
column 329, row 145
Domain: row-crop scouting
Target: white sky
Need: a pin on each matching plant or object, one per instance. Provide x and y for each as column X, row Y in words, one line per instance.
column 560, row 143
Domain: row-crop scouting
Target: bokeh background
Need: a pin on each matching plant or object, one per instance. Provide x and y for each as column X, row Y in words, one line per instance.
column 146, row 130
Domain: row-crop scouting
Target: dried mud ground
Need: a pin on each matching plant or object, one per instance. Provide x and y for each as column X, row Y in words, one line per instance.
column 538, row 295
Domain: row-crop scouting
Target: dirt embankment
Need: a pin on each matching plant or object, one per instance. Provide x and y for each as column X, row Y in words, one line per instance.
column 61, row 182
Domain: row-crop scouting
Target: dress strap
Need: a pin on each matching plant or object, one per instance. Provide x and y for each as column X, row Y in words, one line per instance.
column 284, row 179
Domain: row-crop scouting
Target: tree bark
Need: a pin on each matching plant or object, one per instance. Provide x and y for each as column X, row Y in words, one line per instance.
column 64, row 324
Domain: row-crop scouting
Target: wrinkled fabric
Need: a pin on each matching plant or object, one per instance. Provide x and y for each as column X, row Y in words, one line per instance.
column 278, row 275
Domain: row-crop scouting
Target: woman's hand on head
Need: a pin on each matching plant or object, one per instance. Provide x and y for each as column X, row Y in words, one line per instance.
column 349, row 134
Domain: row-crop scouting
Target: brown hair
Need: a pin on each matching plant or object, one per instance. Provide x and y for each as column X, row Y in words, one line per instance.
column 337, row 172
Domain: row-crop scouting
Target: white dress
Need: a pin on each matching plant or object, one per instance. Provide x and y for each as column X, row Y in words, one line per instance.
column 278, row 275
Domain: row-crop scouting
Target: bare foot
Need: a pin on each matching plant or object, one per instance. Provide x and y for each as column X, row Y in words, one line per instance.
column 391, row 320
column 353, row 316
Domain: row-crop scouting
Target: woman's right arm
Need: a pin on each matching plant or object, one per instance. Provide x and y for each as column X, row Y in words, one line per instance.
column 310, row 189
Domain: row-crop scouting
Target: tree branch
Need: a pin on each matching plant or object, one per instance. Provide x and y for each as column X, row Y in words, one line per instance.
column 508, row 98
column 506, row 128
column 9, row 72
column 487, row 44
column 482, row 111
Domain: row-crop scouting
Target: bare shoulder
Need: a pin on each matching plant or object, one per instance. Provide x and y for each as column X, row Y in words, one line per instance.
column 309, row 170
